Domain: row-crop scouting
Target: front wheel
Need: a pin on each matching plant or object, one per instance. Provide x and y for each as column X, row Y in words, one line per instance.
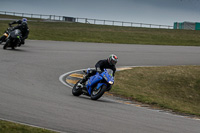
column 96, row 94
column 6, row 45
column 77, row 91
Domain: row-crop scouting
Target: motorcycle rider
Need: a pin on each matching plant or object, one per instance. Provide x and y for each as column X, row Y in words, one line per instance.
column 100, row 66
column 22, row 26
column 18, row 21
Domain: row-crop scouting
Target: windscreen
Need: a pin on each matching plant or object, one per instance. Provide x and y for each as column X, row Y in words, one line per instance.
column 17, row 32
column 110, row 71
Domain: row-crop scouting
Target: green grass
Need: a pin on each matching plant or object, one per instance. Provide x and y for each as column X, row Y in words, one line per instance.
column 10, row 127
column 79, row 32
column 111, row 34
column 172, row 87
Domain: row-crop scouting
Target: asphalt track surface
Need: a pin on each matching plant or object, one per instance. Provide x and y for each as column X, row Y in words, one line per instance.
column 31, row 93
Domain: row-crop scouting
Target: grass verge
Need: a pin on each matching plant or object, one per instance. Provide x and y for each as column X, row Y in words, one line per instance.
column 10, row 127
column 173, row 87
column 79, row 32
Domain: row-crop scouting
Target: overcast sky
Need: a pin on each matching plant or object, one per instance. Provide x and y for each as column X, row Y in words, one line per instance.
column 164, row 12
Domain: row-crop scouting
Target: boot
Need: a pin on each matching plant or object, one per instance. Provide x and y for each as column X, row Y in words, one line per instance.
column 82, row 82
column 22, row 42
column 80, row 85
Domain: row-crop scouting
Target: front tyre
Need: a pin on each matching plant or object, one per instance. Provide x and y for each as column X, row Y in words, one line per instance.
column 96, row 94
column 6, row 45
column 76, row 91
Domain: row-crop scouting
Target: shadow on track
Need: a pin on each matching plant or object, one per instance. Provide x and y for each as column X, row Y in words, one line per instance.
column 15, row 50
column 101, row 100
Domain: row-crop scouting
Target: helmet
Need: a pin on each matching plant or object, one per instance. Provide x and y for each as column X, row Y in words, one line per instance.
column 24, row 19
column 24, row 25
column 112, row 59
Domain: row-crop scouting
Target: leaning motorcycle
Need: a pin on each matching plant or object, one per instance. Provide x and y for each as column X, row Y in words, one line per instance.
column 96, row 85
column 13, row 39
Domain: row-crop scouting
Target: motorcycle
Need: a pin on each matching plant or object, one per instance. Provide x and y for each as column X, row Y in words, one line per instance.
column 13, row 39
column 96, row 85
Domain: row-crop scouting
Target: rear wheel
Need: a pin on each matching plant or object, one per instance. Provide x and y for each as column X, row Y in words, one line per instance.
column 77, row 91
column 97, row 93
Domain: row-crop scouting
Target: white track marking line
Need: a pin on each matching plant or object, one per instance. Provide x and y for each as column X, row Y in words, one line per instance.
column 61, row 78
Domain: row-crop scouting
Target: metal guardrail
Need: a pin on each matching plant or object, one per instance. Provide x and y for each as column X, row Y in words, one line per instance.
column 87, row 20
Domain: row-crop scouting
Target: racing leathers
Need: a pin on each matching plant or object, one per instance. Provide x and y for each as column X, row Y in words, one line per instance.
column 15, row 22
column 24, row 30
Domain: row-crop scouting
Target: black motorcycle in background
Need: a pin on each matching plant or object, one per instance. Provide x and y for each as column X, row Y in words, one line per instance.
column 13, row 38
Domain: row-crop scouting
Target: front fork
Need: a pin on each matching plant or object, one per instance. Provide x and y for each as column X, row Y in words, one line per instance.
column 3, row 38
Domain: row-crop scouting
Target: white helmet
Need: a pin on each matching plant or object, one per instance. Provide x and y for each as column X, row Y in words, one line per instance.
column 112, row 59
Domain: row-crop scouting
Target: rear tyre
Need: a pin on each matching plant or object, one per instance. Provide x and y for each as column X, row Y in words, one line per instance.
column 77, row 91
column 96, row 94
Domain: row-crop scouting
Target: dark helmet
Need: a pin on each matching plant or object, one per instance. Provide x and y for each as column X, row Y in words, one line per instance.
column 112, row 59
column 24, row 25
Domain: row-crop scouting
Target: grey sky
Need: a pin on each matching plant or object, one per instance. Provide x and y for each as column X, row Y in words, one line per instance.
column 164, row 12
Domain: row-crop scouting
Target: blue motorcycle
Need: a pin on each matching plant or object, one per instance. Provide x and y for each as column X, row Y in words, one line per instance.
column 96, row 85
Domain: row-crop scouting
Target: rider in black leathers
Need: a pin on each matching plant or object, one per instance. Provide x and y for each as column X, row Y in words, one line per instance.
column 100, row 66
column 17, row 22
column 22, row 26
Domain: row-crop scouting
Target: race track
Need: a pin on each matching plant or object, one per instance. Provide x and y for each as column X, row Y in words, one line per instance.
column 31, row 93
